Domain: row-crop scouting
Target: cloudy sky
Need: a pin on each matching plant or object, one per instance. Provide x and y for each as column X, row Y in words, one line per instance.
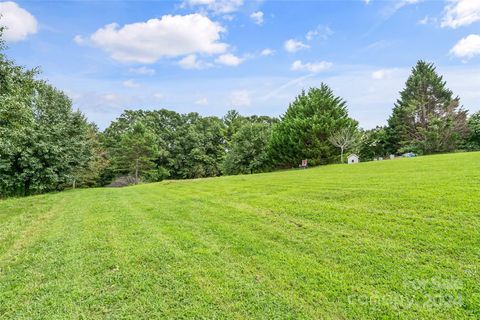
column 209, row 56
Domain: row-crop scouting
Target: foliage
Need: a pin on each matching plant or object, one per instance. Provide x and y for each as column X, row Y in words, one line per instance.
column 248, row 152
column 305, row 128
column 187, row 145
column 473, row 140
column 45, row 145
column 91, row 174
column 42, row 140
column 135, row 151
column 199, row 147
column 233, row 122
column 427, row 118
column 374, row 143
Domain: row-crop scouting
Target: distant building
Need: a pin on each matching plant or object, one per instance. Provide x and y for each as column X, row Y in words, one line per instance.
column 353, row 158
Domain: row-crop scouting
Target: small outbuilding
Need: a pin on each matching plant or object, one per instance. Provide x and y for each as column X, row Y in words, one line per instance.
column 353, row 158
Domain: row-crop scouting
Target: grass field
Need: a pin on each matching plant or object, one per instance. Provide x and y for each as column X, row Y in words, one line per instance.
column 391, row 239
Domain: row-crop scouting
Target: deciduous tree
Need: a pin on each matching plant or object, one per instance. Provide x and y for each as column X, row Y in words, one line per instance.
column 343, row 139
column 248, row 151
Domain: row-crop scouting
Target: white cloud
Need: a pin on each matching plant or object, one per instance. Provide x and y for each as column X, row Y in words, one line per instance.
column 313, row 67
column 170, row 36
column 216, row 6
column 199, row 2
column 467, row 47
column 427, row 20
column 397, row 5
column 461, row 13
column 322, row 32
column 229, row 60
column 143, row 71
column 80, row 40
column 191, row 62
column 240, row 98
column 228, row 17
column 18, row 22
column 293, row 45
column 366, row 1
column 424, row 20
column 383, row 74
column 267, row 52
column 202, row 102
column 404, row 3
column 257, row 17
column 130, row 84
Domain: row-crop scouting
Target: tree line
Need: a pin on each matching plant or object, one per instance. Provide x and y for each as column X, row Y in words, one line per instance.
column 46, row 145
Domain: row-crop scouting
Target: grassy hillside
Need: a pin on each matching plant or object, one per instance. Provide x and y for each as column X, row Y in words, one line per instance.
column 375, row 240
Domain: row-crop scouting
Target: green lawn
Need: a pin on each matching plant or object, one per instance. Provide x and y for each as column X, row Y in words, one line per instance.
column 391, row 239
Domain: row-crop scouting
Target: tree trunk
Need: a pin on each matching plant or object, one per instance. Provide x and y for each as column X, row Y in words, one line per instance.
column 74, row 184
column 341, row 155
column 136, row 171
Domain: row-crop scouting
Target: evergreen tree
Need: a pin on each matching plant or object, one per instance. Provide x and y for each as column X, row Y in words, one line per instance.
column 305, row 129
column 426, row 118
column 233, row 121
column 136, row 151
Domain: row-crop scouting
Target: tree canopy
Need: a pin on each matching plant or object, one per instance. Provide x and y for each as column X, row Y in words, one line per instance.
column 427, row 118
column 45, row 145
column 305, row 128
column 248, row 152
column 43, row 142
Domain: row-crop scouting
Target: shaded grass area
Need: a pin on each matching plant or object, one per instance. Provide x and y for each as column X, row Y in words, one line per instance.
column 392, row 239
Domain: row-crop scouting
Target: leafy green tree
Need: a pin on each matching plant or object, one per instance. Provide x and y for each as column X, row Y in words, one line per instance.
column 473, row 140
column 305, row 128
column 374, row 143
column 91, row 173
column 199, row 147
column 136, row 151
column 248, row 151
column 60, row 140
column 426, row 118
column 42, row 140
column 16, row 124
column 164, row 124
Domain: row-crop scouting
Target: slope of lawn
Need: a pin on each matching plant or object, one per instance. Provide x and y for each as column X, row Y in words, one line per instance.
column 390, row 239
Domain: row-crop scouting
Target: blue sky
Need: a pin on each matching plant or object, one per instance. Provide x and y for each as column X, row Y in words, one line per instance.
column 210, row 56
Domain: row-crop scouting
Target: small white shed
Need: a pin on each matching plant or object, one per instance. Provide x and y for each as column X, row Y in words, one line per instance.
column 353, row 158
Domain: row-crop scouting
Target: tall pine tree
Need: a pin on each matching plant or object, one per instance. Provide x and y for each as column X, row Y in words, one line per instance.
column 305, row 129
column 427, row 118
